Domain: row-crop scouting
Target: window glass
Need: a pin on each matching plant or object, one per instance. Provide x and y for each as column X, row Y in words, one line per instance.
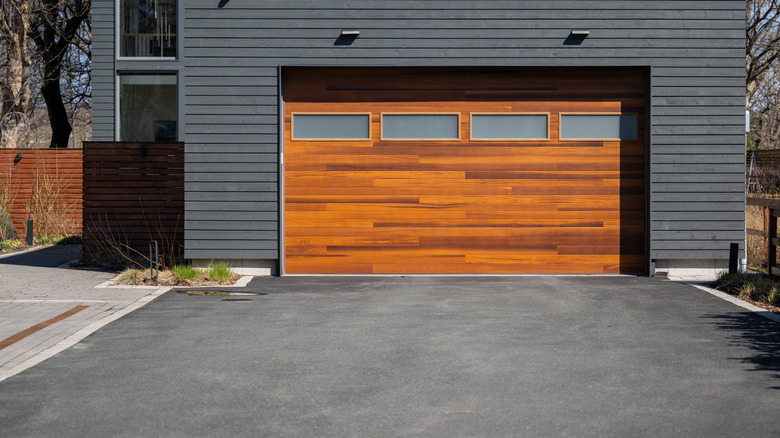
column 147, row 28
column 420, row 126
column 147, row 107
column 598, row 126
column 509, row 126
column 331, row 127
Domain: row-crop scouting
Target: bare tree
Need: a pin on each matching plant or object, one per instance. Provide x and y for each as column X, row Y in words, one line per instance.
column 45, row 63
column 58, row 27
column 763, row 72
column 15, row 69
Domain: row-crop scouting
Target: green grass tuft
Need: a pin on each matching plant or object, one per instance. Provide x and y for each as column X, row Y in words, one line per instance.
column 756, row 287
column 185, row 272
column 10, row 244
column 130, row 276
column 219, row 271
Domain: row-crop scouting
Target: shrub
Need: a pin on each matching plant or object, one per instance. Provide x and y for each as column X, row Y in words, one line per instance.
column 220, row 271
column 185, row 272
column 130, row 276
column 69, row 240
column 11, row 244
column 756, row 287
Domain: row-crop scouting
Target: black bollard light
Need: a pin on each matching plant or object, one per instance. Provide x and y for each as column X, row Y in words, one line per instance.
column 29, row 232
column 733, row 254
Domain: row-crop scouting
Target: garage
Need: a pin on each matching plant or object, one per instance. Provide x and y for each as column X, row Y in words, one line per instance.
column 464, row 171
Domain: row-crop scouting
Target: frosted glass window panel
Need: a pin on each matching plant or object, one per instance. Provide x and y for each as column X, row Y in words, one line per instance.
column 147, row 107
column 420, row 126
column 331, row 127
column 598, row 126
column 509, row 126
column 147, row 28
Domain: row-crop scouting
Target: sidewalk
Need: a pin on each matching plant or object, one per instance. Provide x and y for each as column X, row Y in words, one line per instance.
column 45, row 308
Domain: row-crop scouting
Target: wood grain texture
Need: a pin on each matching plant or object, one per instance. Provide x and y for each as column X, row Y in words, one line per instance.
column 133, row 193
column 465, row 206
column 58, row 169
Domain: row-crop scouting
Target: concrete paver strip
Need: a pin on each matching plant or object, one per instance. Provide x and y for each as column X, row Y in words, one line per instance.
column 35, row 287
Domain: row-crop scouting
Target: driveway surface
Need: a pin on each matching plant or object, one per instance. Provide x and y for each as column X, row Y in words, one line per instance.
column 415, row 356
column 46, row 307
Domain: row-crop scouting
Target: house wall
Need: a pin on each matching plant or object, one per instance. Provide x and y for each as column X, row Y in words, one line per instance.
column 231, row 51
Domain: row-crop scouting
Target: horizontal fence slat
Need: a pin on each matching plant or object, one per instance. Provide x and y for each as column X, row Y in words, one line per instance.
column 61, row 169
column 134, row 193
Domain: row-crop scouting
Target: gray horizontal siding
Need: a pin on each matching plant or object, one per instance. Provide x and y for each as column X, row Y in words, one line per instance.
column 695, row 51
column 103, row 81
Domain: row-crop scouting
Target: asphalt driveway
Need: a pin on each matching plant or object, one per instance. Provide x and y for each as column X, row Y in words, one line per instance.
column 415, row 356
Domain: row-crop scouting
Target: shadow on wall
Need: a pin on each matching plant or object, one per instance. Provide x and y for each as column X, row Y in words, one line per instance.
column 760, row 335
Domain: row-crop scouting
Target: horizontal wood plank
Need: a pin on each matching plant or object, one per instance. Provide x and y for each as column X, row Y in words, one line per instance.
column 464, row 206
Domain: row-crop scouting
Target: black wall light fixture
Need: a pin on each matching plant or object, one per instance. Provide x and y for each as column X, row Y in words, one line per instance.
column 350, row 33
column 347, row 37
column 576, row 37
column 580, row 33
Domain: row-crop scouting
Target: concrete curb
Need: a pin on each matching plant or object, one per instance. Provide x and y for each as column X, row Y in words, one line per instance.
column 33, row 249
column 241, row 282
column 736, row 301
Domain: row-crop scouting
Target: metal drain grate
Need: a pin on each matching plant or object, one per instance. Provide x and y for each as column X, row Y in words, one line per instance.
column 220, row 293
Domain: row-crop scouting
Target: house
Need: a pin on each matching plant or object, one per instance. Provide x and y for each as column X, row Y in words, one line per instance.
column 433, row 136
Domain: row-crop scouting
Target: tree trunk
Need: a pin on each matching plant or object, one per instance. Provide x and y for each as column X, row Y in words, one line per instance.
column 58, row 115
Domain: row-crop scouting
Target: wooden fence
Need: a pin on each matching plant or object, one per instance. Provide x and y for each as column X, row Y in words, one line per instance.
column 134, row 193
column 44, row 185
column 768, row 233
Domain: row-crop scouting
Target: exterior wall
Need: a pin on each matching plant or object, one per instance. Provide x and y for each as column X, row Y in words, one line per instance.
column 231, row 51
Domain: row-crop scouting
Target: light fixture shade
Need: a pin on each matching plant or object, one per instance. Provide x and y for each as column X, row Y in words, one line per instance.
column 350, row 33
column 580, row 33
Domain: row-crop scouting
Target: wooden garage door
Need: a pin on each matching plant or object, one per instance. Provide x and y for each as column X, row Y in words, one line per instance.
column 561, row 204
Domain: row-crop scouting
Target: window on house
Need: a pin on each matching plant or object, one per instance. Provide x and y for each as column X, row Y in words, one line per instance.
column 147, row 28
column 147, row 107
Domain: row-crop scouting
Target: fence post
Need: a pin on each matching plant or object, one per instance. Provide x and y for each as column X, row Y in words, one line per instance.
column 771, row 260
column 766, row 234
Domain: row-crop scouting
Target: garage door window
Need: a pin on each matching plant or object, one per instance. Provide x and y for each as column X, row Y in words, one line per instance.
column 421, row 126
column 324, row 127
column 503, row 126
column 598, row 126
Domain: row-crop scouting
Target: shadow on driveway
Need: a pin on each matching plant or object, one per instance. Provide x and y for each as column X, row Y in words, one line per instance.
column 760, row 335
column 50, row 257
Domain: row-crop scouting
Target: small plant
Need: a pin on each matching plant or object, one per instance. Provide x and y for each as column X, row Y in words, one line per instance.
column 130, row 276
column 755, row 287
column 45, row 240
column 69, row 240
column 185, row 272
column 219, row 271
column 774, row 296
column 10, row 245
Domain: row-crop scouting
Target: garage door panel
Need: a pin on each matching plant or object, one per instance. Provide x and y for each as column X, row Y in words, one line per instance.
column 465, row 206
